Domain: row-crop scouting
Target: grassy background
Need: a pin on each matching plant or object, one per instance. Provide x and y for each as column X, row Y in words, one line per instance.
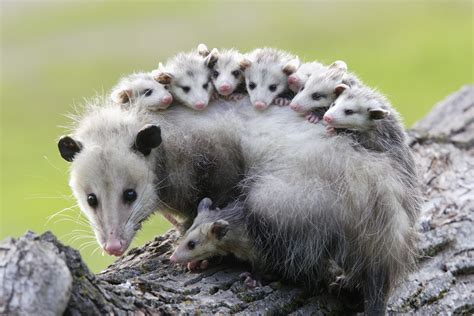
column 53, row 54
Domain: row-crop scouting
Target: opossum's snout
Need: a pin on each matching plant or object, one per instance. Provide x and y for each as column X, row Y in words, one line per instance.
column 225, row 88
column 114, row 246
column 200, row 105
column 260, row 105
column 327, row 118
column 297, row 107
column 166, row 100
column 294, row 83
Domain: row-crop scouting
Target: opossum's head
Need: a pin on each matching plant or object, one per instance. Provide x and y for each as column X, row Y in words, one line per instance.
column 142, row 90
column 355, row 111
column 112, row 178
column 321, row 89
column 266, row 78
column 227, row 70
column 188, row 79
column 298, row 79
column 204, row 239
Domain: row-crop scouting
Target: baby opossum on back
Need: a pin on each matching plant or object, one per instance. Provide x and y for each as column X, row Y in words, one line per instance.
column 227, row 72
column 140, row 89
column 188, row 78
column 266, row 76
column 298, row 79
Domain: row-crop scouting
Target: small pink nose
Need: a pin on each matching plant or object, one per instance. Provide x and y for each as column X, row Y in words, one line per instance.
column 200, row 105
column 292, row 79
column 327, row 118
column 225, row 87
column 114, row 247
column 167, row 99
column 295, row 107
column 260, row 105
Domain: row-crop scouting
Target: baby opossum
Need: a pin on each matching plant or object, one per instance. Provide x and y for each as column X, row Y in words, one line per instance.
column 227, row 72
column 140, row 89
column 215, row 232
column 298, row 79
column 266, row 76
column 321, row 89
column 188, row 78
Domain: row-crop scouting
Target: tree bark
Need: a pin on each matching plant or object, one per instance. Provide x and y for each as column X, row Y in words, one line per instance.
column 39, row 275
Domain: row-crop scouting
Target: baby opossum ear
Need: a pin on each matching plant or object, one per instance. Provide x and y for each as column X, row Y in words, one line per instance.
column 203, row 50
column 68, row 148
column 204, row 205
column 291, row 66
column 163, row 77
column 340, row 88
column 212, row 58
column 378, row 114
column 220, row 228
column 148, row 137
column 339, row 65
column 122, row 96
column 244, row 64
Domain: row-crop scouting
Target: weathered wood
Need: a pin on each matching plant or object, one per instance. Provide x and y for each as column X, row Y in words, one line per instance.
column 36, row 271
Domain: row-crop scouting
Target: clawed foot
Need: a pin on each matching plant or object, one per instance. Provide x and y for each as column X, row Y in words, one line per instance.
column 282, row 102
column 312, row 117
column 235, row 97
column 198, row 265
column 249, row 281
column 215, row 95
column 331, row 131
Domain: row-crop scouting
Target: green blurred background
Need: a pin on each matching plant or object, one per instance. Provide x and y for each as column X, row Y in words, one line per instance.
column 53, row 54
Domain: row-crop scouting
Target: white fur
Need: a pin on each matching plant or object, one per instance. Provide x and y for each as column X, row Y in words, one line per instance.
column 303, row 73
column 229, row 63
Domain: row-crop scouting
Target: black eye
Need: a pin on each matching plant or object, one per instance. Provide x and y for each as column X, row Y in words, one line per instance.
column 186, row 89
column 191, row 245
column 236, row 73
column 332, row 104
column 252, row 85
column 316, row 96
column 348, row 112
column 205, row 86
column 215, row 74
column 92, row 200
column 302, row 88
column 147, row 92
column 129, row 196
column 272, row 87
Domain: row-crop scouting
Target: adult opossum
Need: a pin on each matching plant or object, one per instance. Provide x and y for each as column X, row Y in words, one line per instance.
column 309, row 197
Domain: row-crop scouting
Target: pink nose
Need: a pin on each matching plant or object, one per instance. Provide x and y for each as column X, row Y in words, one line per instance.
column 327, row 118
column 200, row 105
column 167, row 99
column 292, row 79
column 260, row 105
column 295, row 107
column 225, row 87
column 114, row 247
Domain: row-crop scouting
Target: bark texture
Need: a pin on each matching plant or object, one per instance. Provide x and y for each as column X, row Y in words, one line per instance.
column 39, row 275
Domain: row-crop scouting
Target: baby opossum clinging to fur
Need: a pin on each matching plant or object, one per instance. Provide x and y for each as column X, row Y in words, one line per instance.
column 266, row 77
column 298, row 79
column 140, row 89
column 187, row 76
column 321, row 89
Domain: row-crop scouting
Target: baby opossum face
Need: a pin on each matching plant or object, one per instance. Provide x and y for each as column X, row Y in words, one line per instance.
column 227, row 70
column 321, row 89
column 204, row 238
column 189, row 84
column 142, row 90
column 114, row 186
column 264, row 84
column 354, row 113
column 298, row 79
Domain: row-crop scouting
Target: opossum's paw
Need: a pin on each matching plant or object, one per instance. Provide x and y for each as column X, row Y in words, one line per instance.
column 236, row 96
column 282, row 102
column 331, row 131
column 195, row 266
column 249, row 281
column 338, row 284
column 215, row 95
column 312, row 117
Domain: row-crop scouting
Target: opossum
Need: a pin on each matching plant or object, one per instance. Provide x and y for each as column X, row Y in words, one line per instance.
column 121, row 172
column 321, row 89
column 266, row 76
column 298, row 79
column 140, row 89
column 227, row 72
column 188, row 78
column 305, row 204
column 215, row 232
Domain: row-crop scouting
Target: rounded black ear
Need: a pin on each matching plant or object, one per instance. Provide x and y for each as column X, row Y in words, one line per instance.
column 68, row 148
column 204, row 205
column 220, row 228
column 148, row 137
